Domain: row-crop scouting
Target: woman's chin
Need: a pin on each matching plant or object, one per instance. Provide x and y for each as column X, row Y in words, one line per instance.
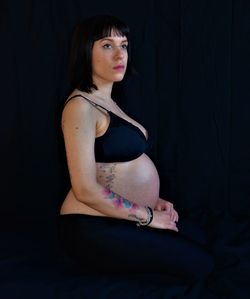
column 118, row 78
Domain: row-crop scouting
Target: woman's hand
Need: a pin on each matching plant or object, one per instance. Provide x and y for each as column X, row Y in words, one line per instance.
column 164, row 205
column 162, row 220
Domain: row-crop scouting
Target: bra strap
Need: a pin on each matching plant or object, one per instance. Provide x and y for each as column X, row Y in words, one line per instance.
column 91, row 102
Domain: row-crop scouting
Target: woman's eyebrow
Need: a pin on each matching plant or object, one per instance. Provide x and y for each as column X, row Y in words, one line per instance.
column 111, row 39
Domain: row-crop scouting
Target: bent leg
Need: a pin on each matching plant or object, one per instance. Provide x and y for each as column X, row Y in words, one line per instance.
column 109, row 245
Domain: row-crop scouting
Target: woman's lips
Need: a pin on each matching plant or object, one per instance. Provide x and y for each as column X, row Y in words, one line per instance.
column 119, row 67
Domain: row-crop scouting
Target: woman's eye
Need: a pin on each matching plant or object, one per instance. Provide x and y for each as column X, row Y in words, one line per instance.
column 125, row 46
column 107, row 46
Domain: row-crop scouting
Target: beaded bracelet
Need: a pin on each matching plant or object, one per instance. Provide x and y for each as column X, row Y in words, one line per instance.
column 149, row 218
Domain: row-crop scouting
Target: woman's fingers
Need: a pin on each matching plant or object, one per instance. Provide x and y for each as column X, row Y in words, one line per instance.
column 170, row 207
column 171, row 223
column 172, row 226
column 163, row 220
column 175, row 216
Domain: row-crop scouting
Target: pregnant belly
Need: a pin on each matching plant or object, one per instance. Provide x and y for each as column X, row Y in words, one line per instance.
column 136, row 180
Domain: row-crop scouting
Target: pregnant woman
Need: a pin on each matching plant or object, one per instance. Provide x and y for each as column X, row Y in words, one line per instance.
column 112, row 219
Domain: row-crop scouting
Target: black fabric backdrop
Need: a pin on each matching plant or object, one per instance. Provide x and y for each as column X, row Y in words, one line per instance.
column 192, row 94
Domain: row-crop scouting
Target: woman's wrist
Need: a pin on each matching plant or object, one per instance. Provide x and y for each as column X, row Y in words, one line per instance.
column 148, row 219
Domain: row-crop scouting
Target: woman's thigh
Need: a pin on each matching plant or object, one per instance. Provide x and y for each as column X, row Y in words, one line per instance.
column 109, row 245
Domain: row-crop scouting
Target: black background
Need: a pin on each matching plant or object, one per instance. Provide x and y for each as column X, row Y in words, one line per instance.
column 192, row 94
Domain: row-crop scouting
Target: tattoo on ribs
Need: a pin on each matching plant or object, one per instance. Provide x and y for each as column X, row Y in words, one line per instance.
column 118, row 201
column 108, row 174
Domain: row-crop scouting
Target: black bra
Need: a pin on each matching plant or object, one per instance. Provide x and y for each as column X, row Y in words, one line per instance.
column 122, row 140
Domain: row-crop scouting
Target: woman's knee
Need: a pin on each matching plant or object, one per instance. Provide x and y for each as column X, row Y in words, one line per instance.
column 202, row 267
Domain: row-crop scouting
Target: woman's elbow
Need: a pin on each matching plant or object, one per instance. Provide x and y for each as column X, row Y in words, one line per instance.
column 85, row 193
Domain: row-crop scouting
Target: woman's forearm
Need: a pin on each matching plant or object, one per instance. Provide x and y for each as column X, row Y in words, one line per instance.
column 112, row 204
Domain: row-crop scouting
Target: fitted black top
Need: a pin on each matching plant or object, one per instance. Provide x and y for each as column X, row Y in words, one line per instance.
column 121, row 142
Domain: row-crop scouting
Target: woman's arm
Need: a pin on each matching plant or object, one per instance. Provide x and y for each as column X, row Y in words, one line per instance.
column 79, row 122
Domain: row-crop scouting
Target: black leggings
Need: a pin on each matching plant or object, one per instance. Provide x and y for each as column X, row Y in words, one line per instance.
column 109, row 245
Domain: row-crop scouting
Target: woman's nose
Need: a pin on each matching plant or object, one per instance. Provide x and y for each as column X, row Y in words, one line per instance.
column 119, row 52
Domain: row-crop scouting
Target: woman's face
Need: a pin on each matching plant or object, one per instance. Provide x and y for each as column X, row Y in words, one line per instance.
column 109, row 59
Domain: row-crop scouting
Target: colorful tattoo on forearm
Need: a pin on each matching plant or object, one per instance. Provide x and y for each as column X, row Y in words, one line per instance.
column 120, row 202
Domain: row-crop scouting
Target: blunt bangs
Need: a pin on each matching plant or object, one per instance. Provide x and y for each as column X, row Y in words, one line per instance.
column 109, row 26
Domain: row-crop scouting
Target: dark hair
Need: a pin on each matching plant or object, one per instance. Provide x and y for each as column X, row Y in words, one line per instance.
column 83, row 38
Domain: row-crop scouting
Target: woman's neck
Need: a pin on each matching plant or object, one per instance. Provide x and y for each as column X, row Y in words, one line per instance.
column 103, row 92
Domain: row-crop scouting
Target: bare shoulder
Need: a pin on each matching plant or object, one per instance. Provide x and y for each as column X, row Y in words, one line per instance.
column 78, row 111
column 76, row 102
